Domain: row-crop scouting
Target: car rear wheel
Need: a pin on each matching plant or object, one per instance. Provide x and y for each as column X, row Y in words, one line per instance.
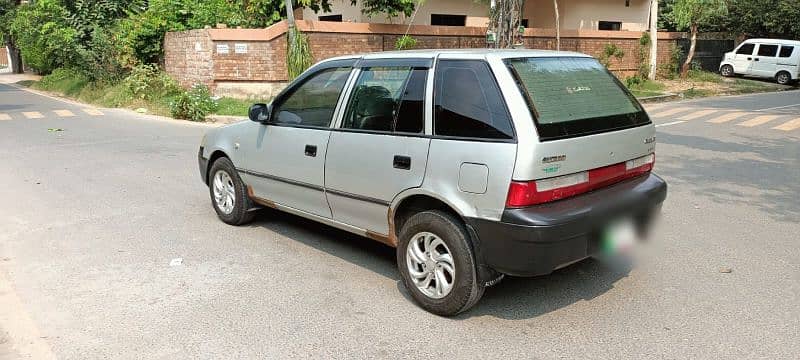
column 726, row 71
column 228, row 193
column 783, row 78
column 437, row 263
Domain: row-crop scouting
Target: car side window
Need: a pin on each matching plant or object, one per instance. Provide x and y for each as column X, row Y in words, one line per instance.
column 387, row 99
column 468, row 102
column 313, row 102
column 768, row 50
column 786, row 51
column 746, row 49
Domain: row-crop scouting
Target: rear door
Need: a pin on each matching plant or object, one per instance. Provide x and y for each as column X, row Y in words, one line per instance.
column 765, row 62
column 379, row 148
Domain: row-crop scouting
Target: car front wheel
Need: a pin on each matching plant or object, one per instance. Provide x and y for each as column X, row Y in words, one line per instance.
column 437, row 263
column 726, row 71
column 228, row 193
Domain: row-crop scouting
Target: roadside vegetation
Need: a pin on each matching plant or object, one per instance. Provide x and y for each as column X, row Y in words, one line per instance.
column 110, row 52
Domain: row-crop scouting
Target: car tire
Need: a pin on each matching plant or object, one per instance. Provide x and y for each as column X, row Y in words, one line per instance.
column 726, row 70
column 228, row 193
column 444, row 233
column 783, row 78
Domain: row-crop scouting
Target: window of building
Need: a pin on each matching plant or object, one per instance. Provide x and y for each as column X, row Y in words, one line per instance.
column 387, row 99
column 609, row 25
column 524, row 23
column 448, row 20
column 336, row 18
column 746, row 49
column 786, row 51
column 468, row 103
column 767, row 50
column 312, row 103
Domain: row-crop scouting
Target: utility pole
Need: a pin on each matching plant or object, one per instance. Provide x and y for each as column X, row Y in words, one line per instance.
column 653, row 39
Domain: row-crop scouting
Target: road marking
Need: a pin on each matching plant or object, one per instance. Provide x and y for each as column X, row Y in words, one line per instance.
column 64, row 113
column 93, row 112
column 669, row 112
column 33, row 115
column 5, row 117
column 758, row 120
column 671, row 123
column 727, row 117
column 789, row 125
column 778, row 107
column 697, row 114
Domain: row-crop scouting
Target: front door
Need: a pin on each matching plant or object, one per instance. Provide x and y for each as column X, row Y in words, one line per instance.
column 379, row 148
column 765, row 62
column 286, row 161
column 743, row 59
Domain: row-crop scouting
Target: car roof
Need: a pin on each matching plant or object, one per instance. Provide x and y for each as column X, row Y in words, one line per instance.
column 465, row 53
column 774, row 41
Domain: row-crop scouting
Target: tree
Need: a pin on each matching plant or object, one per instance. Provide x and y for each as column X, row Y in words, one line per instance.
column 692, row 14
column 7, row 13
column 504, row 22
column 758, row 18
column 392, row 8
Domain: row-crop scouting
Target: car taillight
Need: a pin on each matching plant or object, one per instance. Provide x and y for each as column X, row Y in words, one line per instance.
column 527, row 193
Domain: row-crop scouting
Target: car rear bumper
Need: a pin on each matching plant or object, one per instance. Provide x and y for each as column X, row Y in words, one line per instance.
column 536, row 240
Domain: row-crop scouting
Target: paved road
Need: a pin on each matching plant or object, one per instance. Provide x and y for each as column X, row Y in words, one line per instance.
column 92, row 216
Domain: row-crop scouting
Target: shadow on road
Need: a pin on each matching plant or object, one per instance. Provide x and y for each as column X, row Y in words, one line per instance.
column 513, row 298
column 764, row 172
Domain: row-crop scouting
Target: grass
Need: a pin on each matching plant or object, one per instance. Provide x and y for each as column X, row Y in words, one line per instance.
column 700, row 83
column 73, row 85
column 647, row 88
column 235, row 107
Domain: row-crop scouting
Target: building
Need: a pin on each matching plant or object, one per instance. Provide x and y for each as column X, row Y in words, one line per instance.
column 630, row 15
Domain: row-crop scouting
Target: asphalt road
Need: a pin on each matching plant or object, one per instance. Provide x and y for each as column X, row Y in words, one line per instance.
column 92, row 216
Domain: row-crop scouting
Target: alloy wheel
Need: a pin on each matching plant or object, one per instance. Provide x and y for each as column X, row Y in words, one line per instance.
column 224, row 192
column 430, row 265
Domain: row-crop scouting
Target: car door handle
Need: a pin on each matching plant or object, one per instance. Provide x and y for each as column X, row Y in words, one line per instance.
column 311, row 150
column 756, row 59
column 402, row 162
column 749, row 58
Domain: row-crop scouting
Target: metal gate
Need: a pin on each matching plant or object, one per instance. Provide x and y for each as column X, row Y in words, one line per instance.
column 708, row 53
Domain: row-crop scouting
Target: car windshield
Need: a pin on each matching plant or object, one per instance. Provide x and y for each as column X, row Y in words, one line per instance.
column 574, row 96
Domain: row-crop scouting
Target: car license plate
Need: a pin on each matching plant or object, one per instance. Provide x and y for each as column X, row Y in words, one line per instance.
column 619, row 236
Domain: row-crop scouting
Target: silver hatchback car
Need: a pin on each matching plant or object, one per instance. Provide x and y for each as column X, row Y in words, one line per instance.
column 474, row 164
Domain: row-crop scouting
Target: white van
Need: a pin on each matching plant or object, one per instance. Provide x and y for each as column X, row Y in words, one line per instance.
column 769, row 58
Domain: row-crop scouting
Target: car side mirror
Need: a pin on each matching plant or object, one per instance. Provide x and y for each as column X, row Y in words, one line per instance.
column 260, row 113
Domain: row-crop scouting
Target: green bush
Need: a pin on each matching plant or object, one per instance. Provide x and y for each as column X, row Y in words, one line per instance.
column 610, row 51
column 44, row 36
column 141, row 36
column 148, row 82
column 405, row 42
column 194, row 104
column 99, row 58
column 64, row 80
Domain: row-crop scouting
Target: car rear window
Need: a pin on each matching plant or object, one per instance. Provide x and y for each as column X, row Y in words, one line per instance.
column 574, row 96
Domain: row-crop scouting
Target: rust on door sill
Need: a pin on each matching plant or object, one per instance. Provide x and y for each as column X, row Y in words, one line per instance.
column 379, row 237
column 258, row 200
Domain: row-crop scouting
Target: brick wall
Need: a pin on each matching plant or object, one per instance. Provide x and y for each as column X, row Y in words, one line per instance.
column 187, row 57
column 254, row 63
